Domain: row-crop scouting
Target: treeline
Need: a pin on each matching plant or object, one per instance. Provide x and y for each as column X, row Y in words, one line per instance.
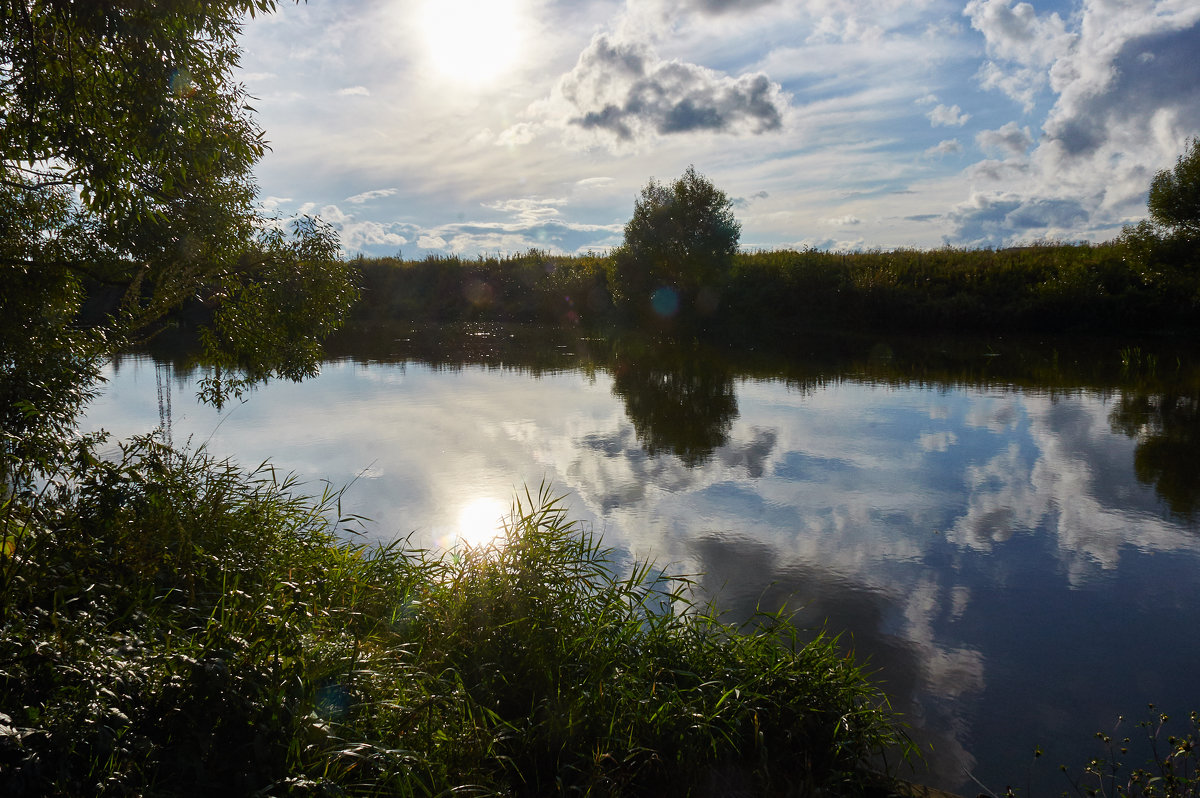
column 1045, row 288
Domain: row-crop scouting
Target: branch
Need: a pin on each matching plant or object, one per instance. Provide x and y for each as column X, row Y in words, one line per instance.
column 69, row 265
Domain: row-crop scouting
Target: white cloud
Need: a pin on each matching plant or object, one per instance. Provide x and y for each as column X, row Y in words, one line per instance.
column 1009, row 138
column 1022, row 45
column 625, row 90
column 595, row 182
column 354, row 91
column 947, row 116
column 1017, row 33
column 270, row 204
column 360, row 234
column 528, row 210
column 1118, row 117
column 366, row 196
column 944, row 147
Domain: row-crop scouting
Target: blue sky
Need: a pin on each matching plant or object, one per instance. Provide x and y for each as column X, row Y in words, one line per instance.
column 469, row 126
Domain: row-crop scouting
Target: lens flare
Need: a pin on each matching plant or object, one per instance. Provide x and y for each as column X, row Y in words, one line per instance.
column 665, row 302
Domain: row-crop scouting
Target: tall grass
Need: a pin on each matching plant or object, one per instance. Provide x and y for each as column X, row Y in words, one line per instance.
column 172, row 625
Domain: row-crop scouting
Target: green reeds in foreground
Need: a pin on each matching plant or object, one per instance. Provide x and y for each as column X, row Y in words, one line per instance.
column 172, row 625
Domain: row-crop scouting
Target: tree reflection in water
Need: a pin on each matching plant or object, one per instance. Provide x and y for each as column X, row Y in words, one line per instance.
column 679, row 400
column 1167, row 428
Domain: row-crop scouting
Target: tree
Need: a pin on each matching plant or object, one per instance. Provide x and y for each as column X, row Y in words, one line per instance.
column 126, row 192
column 678, row 249
column 1175, row 194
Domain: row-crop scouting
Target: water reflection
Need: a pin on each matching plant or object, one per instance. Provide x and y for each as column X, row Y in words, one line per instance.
column 679, row 400
column 923, row 679
column 1167, row 429
column 996, row 527
column 480, row 524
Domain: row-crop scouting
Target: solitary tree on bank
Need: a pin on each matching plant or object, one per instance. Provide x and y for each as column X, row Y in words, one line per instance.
column 678, row 250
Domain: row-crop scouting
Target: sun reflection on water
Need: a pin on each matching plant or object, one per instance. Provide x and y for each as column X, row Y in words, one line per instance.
column 480, row 523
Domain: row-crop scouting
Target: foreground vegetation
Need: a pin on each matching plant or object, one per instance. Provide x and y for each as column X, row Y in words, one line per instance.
column 172, row 625
column 1172, row 772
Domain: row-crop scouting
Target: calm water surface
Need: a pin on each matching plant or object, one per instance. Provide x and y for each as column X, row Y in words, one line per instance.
column 1009, row 533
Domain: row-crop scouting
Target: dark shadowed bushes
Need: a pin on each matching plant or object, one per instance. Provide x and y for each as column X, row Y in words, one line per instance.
column 533, row 287
column 1139, row 283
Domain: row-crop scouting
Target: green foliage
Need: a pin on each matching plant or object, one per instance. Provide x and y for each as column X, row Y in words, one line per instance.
column 274, row 312
column 785, row 293
column 126, row 193
column 173, row 626
column 682, row 239
column 1165, row 250
column 1174, row 199
column 533, row 286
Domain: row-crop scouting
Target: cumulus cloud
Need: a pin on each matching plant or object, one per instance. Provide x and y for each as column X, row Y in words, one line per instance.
column 947, row 116
column 625, row 89
column 1110, row 89
column 849, row 220
column 1017, row 33
column 354, row 91
column 1126, row 86
column 1022, row 46
column 945, row 147
column 270, row 204
column 1005, row 219
column 362, row 234
column 1009, row 138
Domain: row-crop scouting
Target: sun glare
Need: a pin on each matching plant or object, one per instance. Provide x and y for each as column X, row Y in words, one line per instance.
column 480, row 522
column 472, row 41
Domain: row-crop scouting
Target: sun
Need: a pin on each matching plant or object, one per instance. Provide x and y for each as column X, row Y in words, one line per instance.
column 472, row 41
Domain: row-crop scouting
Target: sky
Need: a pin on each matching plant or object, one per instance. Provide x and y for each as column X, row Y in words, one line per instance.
column 475, row 127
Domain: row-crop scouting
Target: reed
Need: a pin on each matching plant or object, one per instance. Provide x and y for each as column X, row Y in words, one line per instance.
column 1044, row 287
column 174, row 625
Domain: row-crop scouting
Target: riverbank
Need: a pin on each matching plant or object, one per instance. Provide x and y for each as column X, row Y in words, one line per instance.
column 173, row 624
column 1063, row 288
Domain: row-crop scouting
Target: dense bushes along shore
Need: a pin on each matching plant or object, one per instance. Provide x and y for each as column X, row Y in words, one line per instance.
column 1049, row 288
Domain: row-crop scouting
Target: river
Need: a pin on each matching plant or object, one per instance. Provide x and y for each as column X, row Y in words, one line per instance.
column 1006, row 532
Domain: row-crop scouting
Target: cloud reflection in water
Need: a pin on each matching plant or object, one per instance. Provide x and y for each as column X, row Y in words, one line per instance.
column 967, row 540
